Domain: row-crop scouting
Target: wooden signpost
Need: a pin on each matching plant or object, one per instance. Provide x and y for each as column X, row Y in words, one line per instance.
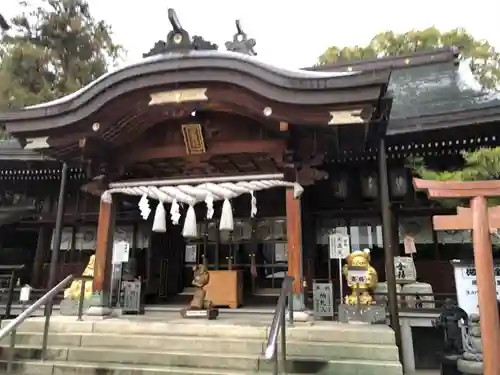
column 481, row 220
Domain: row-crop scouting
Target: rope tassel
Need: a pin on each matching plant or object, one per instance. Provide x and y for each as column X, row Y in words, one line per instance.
column 175, row 213
column 190, row 229
column 159, row 222
column 226, row 219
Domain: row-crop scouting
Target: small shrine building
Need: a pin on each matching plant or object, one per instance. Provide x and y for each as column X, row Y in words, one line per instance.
column 197, row 155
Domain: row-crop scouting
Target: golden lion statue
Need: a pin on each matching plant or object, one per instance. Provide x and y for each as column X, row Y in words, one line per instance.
column 73, row 292
column 360, row 259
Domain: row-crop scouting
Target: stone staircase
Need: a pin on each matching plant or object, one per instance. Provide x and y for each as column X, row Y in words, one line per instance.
column 192, row 347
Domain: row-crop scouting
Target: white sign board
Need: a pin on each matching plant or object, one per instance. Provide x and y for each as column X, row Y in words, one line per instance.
column 121, row 252
column 405, row 270
column 191, row 253
column 280, row 253
column 24, row 295
column 323, row 304
column 339, row 245
column 465, row 283
column 409, row 245
column 357, row 276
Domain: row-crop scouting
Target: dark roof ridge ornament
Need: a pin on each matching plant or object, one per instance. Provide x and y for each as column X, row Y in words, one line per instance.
column 4, row 25
column 178, row 39
column 241, row 43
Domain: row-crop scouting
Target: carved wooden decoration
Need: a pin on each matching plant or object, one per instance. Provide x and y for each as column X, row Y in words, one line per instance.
column 178, row 96
column 283, row 126
column 36, row 143
column 193, row 139
column 346, row 117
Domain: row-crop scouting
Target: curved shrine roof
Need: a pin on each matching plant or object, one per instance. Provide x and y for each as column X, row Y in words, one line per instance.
column 204, row 59
column 288, row 87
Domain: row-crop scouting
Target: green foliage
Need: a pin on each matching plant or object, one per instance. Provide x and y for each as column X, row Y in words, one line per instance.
column 485, row 60
column 482, row 164
column 55, row 47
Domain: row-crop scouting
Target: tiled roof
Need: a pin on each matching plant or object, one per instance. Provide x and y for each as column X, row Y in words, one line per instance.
column 434, row 90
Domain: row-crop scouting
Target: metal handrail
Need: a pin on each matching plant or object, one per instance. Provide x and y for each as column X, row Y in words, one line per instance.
column 35, row 306
column 279, row 324
column 46, row 300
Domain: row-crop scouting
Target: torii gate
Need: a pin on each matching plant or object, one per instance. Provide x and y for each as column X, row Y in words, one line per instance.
column 480, row 219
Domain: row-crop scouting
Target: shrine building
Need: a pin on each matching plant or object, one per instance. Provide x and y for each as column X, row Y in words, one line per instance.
column 197, row 154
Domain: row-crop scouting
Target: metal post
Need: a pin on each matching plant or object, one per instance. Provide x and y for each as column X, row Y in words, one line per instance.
column 290, row 305
column 275, row 359
column 10, row 294
column 387, row 236
column 55, row 254
column 81, row 299
column 283, row 342
column 12, row 347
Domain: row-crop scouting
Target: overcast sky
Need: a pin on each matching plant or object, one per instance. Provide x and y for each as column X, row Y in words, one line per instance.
column 289, row 33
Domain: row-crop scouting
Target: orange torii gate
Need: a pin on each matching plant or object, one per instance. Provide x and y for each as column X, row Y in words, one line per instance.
column 480, row 219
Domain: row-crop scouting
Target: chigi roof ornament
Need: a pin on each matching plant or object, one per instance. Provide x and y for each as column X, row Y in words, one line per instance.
column 241, row 43
column 4, row 25
column 178, row 40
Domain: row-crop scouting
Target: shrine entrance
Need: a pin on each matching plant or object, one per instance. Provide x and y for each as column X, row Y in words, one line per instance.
column 256, row 250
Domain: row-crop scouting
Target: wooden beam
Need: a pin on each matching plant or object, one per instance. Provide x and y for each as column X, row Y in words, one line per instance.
column 463, row 219
column 420, row 184
column 462, row 193
column 143, row 154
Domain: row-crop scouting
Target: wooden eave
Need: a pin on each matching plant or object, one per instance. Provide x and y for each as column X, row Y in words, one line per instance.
column 469, row 117
column 10, row 215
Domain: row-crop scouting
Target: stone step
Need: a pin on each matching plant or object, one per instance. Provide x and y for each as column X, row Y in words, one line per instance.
column 189, row 344
column 340, row 367
column 318, row 332
column 140, row 357
column 73, row 368
column 151, row 342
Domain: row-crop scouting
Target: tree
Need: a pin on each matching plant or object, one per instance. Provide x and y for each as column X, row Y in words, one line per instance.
column 479, row 165
column 482, row 164
column 54, row 48
column 484, row 59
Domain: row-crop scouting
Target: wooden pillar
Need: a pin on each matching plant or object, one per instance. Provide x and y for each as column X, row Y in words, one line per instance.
column 486, row 285
column 294, row 246
column 103, row 254
column 42, row 248
column 389, row 245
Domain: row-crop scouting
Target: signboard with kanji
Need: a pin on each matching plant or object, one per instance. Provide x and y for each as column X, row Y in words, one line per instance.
column 405, row 270
column 357, row 275
column 466, row 285
column 323, row 303
column 339, row 245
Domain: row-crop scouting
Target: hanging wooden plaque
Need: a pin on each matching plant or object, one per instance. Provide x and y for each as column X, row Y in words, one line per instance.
column 193, row 139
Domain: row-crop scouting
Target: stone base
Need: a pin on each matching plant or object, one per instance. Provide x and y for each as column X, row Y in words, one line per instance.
column 69, row 307
column 98, row 311
column 470, row 367
column 366, row 314
column 301, row 316
column 190, row 313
